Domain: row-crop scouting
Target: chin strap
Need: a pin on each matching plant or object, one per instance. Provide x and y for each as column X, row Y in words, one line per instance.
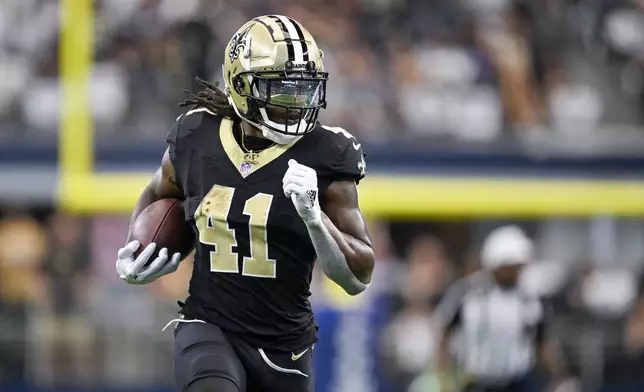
column 267, row 132
column 276, row 137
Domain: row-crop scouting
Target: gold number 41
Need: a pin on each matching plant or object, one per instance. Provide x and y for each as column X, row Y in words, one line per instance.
column 212, row 222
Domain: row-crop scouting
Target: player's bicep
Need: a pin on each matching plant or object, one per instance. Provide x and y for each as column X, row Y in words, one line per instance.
column 341, row 206
column 164, row 180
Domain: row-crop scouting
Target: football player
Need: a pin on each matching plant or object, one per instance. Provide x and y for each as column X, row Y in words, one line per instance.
column 269, row 191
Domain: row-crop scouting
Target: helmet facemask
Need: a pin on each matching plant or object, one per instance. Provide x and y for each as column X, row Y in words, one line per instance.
column 284, row 105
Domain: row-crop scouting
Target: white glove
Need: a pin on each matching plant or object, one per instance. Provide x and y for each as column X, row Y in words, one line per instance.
column 132, row 271
column 300, row 183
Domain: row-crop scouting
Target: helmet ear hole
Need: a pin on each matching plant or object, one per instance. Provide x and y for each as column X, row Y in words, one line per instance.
column 238, row 84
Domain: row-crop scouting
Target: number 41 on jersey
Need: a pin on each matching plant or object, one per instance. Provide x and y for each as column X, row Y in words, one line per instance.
column 212, row 222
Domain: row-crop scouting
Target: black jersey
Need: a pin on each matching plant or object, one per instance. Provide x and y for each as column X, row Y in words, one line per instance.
column 254, row 258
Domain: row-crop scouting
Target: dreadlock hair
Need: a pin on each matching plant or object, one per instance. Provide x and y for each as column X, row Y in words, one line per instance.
column 211, row 98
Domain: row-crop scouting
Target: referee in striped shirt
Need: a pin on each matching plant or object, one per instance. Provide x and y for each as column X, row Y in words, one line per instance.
column 492, row 332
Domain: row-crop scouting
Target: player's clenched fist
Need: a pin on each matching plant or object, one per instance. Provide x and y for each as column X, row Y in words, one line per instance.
column 134, row 270
column 300, row 183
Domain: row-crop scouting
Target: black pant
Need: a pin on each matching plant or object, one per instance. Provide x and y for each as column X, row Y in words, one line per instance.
column 203, row 350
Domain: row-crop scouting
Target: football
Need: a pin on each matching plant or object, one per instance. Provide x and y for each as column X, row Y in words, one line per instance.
column 163, row 222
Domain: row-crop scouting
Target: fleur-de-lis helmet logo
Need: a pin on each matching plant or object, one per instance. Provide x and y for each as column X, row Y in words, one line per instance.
column 238, row 43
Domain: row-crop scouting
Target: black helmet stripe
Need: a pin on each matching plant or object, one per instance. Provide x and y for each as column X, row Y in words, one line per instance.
column 287, row 37
column 305, row 48
column 296, row 38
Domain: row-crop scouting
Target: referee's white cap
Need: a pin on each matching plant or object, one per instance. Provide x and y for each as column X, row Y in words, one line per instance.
column 506, row 245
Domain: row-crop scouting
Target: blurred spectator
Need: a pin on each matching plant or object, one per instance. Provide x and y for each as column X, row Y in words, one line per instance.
column 22, row 244
column 66, row 263
column 623, row 369
column 428, row 272
column 494, row 331
column 623, row 33
column 408, row 342
column 62, row 337
column 591, row 321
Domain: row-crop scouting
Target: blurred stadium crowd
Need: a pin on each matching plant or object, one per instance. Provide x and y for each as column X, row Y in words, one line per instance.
column 469, row 70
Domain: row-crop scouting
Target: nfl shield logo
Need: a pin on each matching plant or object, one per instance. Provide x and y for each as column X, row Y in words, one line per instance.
column 245, row 168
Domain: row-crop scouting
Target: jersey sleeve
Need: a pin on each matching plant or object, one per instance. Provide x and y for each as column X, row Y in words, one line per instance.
column 179, row 143
column 352, row 162
column 346, row 159
column 180, row 131
column 172, row 138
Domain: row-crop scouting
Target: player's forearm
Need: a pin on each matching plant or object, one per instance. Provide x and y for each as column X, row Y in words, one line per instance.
column 147, row 197
column 159, row 188
column 345, row 260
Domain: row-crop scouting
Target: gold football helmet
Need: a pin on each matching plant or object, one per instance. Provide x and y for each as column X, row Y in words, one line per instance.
column 274, row 77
